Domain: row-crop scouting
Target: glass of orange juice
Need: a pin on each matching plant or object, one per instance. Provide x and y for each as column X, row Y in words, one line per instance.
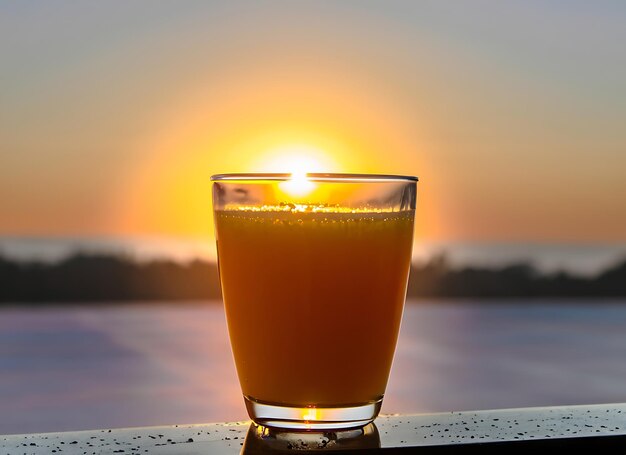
column 314, row 270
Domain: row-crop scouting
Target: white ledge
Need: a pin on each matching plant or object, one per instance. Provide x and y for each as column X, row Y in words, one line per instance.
column 391, row 431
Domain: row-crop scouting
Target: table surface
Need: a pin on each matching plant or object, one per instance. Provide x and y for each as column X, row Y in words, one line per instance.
column 557, row 427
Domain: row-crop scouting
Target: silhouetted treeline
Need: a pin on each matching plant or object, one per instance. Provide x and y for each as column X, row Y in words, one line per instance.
column 437, row 279
column 110, row 278
column 106, row 278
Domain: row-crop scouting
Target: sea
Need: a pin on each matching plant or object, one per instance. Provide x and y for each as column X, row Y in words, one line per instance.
column 121, row 365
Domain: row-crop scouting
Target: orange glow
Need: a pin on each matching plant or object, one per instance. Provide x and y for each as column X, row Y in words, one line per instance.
column 317, row 124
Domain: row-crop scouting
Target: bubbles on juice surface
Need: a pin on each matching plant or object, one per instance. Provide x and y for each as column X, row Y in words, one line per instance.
column 290, row 214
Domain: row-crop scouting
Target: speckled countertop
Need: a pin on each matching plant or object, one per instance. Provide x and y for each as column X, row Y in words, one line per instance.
column 397, row 431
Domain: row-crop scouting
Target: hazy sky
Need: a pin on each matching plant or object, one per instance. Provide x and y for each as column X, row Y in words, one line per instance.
column 114, row 114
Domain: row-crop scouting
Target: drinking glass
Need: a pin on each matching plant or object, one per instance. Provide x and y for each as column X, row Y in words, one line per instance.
column 314, row 270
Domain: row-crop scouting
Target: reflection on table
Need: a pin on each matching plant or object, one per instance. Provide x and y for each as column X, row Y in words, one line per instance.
column 264, row 440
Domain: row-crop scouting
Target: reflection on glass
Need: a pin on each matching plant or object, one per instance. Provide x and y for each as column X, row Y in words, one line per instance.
column 265, row 440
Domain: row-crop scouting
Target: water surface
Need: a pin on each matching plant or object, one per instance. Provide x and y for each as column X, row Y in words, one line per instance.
column 70, row 368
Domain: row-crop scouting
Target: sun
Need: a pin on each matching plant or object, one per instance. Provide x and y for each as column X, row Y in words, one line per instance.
column 297, row 160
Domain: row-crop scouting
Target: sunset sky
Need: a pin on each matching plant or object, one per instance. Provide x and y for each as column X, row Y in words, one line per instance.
column 113, row 115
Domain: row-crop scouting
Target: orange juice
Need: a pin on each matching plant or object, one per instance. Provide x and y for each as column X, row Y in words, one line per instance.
column 313, row 301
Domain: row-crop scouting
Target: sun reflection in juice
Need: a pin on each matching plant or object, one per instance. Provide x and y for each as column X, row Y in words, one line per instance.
column 313, row 299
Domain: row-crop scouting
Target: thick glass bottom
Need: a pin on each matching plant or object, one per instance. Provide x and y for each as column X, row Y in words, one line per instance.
column 311, row 417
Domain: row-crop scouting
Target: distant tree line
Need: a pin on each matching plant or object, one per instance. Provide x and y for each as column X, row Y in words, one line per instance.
column 437, row 279
column 106, row 278
column 113, row 278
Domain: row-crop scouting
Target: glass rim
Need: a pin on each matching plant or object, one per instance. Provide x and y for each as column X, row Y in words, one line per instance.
column 313, row 176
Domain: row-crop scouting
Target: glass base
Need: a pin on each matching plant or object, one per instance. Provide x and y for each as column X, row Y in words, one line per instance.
column 311, row 417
